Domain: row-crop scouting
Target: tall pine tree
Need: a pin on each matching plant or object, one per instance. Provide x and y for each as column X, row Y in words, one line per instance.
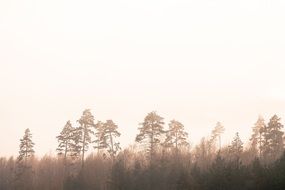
column 256, row 140
column 150, row 132
column 66, row 142
column 24, row 174
column 26, row 147
column 274, row 137
column 176, row 136
column 99, row 140
column 109, row 135
column 236, row 147
column 84, row 132
column 216, row 135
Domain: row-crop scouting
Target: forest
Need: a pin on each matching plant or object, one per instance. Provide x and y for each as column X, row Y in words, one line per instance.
column 161, row 158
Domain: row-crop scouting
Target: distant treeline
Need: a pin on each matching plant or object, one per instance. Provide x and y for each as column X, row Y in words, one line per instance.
column 160, row 159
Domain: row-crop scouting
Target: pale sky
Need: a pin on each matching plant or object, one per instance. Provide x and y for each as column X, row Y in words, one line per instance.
column 198, row 61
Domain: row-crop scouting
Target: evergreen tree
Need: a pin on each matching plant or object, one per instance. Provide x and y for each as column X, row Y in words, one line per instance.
column 176, row 136
column 99, row 140
column 236, row 147
column 216, row 134
column 66, row 141
column 84, row 132
column 109, row 134
column 256, row 140
column 76, row 145
column 274, row 139
column 26, row 147
column 218, row 177
column 24, row 174
column 151, row 131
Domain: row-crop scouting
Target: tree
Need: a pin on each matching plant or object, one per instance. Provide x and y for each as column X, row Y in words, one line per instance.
column 257, row 136
column 218, row 177
column 151, row 131
column 84, row 131
column 26, row 147
column 110, row 132
column 99, row 141
column 202, row 155
column 66, row 141
column 274, row 137
column 24, row 175
column 216, row 134
column 236, row 147
column 176, row 136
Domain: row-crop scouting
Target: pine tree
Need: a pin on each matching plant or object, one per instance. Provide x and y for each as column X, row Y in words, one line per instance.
column 216, row 135
column 24, row 175
column 176, row 136
column 84, row 132
column 26, row 147
column 109, row 134
column 218, row 176
column 99, row 140
column 236, row 147
column 151, row 131
column 274, row 139
column 257, row 136
column 66, row 141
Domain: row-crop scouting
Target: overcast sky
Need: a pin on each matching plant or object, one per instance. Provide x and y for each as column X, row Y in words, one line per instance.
column 198, row 61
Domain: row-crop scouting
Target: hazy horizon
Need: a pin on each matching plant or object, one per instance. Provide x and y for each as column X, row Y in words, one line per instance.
column 195, row 61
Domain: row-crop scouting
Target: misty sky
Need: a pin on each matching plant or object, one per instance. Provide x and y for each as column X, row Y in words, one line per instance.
column 198, row 61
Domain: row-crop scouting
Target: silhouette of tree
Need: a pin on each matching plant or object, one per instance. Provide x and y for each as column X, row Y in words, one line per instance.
column 84, row 131
column 216, row 134
column 176, row 137
column 236, row 147
column 151, row 131
column 26, row 147
column 24, row 175
column 274, row 139
column 109, row 134
column 256, row 141
column 66, row 141
column 99, row 140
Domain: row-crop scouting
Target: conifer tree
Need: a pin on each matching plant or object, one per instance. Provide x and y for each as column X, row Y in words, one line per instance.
column 236, row 147
column 109, row 135
column 274, row 138
column 24, row 173
column 176, row 136
column 84, row 132
column 66, row 141
column 151, row 132
column 26, row 147
column 257, row 136
column 99, row 140
column 216, row 134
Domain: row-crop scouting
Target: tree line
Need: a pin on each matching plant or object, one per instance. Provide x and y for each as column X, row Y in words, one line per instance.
column 161, row 158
